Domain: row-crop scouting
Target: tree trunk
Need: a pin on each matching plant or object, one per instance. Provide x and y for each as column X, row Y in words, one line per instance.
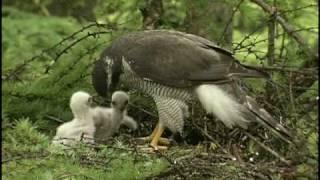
column 152, row 13
column 209, row 20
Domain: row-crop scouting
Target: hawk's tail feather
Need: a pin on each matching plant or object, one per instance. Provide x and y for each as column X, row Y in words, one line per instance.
column 226, row 108
column 265, row 119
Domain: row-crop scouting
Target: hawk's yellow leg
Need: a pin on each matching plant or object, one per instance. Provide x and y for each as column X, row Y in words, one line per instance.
column 155, row 138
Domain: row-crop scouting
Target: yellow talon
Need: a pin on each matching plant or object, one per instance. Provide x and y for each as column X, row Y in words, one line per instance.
column 156, row 139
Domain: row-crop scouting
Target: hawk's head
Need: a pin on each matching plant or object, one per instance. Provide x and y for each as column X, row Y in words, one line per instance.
column 105, row 75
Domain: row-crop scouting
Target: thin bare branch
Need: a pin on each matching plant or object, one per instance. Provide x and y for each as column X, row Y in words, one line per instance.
column 230, row 21
column 305, row 71
column 297, row 9
column 281, row 158
column 65, row 50
column 288, row 28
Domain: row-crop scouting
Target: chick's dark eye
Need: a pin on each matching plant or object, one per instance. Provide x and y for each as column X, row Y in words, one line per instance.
column 126, row 102
column 90, row 100
column 113, row 103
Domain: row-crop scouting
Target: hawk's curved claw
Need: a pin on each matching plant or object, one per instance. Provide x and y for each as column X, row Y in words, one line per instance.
column 152, row 148
column 156, row 139
column 157, row 147
column 163, row 141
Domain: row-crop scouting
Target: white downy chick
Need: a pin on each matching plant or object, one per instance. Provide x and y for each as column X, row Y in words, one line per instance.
column 82, row 126
column 109, row 120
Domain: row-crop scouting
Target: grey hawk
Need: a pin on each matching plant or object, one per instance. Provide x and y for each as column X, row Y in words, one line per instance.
column 174, row 68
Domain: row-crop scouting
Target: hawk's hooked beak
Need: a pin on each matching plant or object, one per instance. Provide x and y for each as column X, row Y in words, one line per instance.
column 99, row 78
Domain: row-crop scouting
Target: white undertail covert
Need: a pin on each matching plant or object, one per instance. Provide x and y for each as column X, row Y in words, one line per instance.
column 218, row 102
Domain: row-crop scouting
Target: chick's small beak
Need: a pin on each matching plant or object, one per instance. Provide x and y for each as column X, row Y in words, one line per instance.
column 123, row 108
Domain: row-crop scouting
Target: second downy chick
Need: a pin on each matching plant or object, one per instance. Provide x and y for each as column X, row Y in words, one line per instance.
column 108, row 120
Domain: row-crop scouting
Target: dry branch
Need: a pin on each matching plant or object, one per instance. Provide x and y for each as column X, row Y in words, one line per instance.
column 19, row 68
column 241, row 46
column 281, row 158
column 54, row 118
column 230, row 21
column 175, row 164
column 65, row 50
column 271, row 48
column 297, row 9
column 306, row 71
column 287, row 27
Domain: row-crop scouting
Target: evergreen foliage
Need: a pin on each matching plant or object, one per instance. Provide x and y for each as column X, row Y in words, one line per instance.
column 28, row 155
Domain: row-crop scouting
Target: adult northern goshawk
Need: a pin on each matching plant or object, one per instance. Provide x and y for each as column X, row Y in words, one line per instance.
column 174, row 68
